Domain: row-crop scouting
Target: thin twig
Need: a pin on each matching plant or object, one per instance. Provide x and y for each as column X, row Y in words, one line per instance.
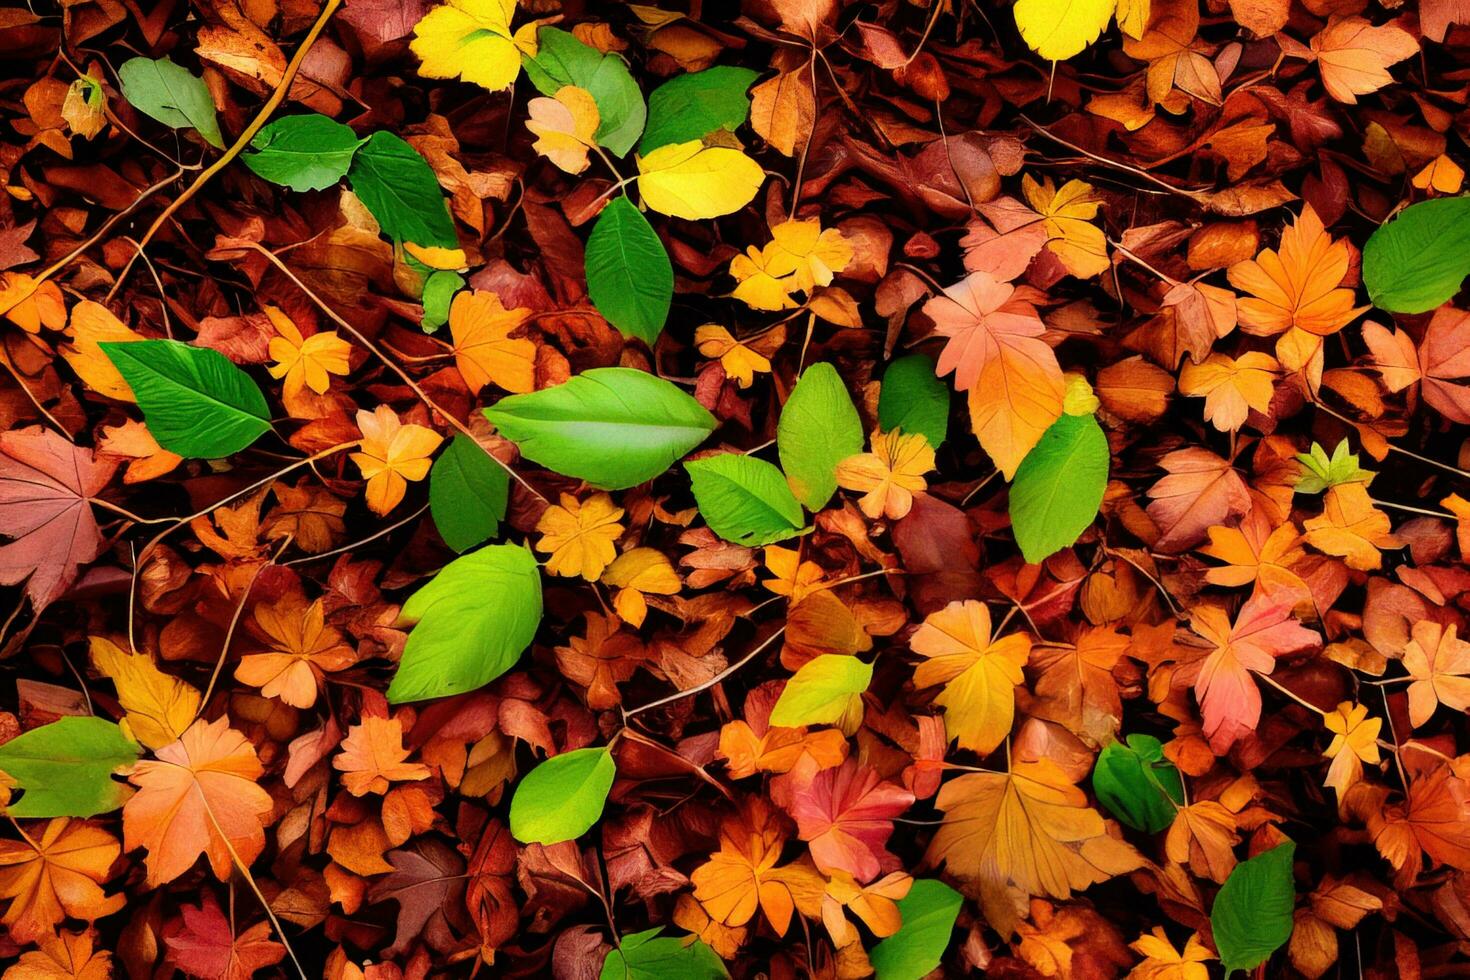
column 722, row 675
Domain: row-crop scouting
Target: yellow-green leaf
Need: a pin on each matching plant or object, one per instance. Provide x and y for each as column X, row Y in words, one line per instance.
column 694, row 181
column 472, row 40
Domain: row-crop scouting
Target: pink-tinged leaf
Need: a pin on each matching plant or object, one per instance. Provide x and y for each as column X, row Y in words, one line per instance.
column 1444, row 359
column 1200, row 491
column 980, row 315
column 846, row 816
column 1006, row 241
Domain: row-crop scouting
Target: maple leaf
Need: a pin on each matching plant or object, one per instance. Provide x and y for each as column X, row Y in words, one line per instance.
column 46, row 486
column 64, row 956
column 602, row 659
column 472, row 40
column 373, row 757
column 1433, row 819
column 1263, row 630
column 1200, row 491
column 1068, row 213
column 890, row 475
column 876, row 905
column 979, row 315
column 757, row 286
column 1162, row 961
column 1354, row 742
column 303, row 650
column 1005, row 240
column 159, row 706
column 1354, row 56
column 1028, row 832
column 580, row 536
column 979, row 674
column 565, row 126
column 742, row 876
column 1441, row 359
column 203, row 943
column 199, row 795
column 636, row 573
column 1231, row 387
column 60, row 877
column 1351, row 527
column 1176, row 58
column 391, row 454
column 845, row 814
column 1257, row 553
column 1076, row 688
column 428, row 883
column 740, row 361
column 484, row 351
column 1203, row 836
column 304, row 362
column 1439, row 663
column 805, row 251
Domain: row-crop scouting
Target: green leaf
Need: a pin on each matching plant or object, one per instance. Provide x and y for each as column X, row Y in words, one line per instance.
column 1136, row 783
column 613, row 427
column 562, row 797
column 1251, row 918
column 1059, row 485
column 439, row 290
column 819, row 428
column 1321, row 471
column 745, row 500
column 692, row 106
column 929, row 911
column 912, row 399
column 196, row 402
column 167, row 92
column 399, row 189
column 561, row 59
column 467, row 494
column 66, row 768
column 645, row 956
column 821, row 691
column 1418, row 260
column 304, row 153
column 628, row 272
column 473, row 621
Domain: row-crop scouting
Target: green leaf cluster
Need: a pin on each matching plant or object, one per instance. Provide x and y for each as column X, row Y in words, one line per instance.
column 1321, row 472
column 1137, row 784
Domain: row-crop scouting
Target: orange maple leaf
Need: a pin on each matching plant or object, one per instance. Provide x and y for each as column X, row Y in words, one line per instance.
column 303, row 650
column 742, row 876
column 1439, row 663
column 979, row 673
column 60, row 877
column 1354, row 56
column 1351, row 528
column 484, row 351
column 373, row 757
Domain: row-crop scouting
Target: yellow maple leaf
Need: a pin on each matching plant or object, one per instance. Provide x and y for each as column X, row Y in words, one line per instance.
column 980, row 675
column 804, row 250
column 1354, row 742
column 31, row 305
column 579, row 536
column 890, row 474
column 390, row 455
column 1231, row 386
column 694, row 181
column 93, row 324
column 484, row 351
column 159, row 707
column 304, row 362
column 741, row 363
column 638, row 572
column 1161, row 961
column 472, row 40
column 757, row 286
column 743, row 876
column 794, row 578
column 1068, row 212
column 565, row 126
column 1057, row 30
column 1351, row 527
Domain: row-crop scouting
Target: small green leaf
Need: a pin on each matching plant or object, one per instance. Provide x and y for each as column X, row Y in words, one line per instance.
column 439, row 290
column 196, row 402
column 66, row 768
column 745, row 500
column 629, row 276
column 399, row 189
column 168, row 93
column 613, row 427
column 645, row 956
column 912, row 399
column 819, row 428
column 1059, row 486
column 1137, row 784
column 561, row 59
column 821, row 691
column 1251, row 918
column 304, row 153
column 467, row 494
column 562, row 797
column 472, row 622
column 1321, row 471
column 1419, row 260
column 690, row 107
column 929, row 912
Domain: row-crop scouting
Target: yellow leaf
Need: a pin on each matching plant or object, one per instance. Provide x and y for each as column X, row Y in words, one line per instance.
column 740, row 362
column 1058, row 29
column 803, row 249
column 159, row 706
column 637, row 572
column 890, row 475
column 979, row 676
column 391, row 454
column 1438, row 661
column 93, row 324
column 1161, row 961
column 483, row 348
column 31, row 305
column 1354, row 742
column 437, row 256
column 472, row 40
column 1132, row 16
column 305, row 362
column 756, row 286
column 565, row 126
column 1069, row 213
column 694, row 181
column 1351, row 528
column 579, row 536
column 1231, row 387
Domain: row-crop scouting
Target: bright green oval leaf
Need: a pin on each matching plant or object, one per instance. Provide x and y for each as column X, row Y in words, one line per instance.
column 821, row 691
column 168, row 93
column 66, row 768
column 929, row 912
column 646, row 956
column 912, row 399
column 471, row 623
column 399, row 189
column 1251, row 918
column 819, row 428
column 561, row 59
column 1137, row 784
column 195, row 402
column 613, row 427
column 745, row 500
column 1419, row 260
column 692, row 106
column 1059, row 485
column 562, row 797
column 467, row 494
column 304, row 153
column 628, row 272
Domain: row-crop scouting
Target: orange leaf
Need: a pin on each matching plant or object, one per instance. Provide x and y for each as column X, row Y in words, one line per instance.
column 373, row 757
column 483, row 348
column 60, row 878
column 979, row 674
column 1354, row 56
